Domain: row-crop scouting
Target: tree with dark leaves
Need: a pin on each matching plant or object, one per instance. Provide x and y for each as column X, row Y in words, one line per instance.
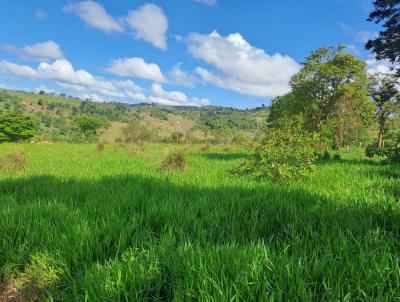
column 386, row 45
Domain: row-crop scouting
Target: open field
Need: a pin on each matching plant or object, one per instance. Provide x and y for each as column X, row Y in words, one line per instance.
column 81, row 225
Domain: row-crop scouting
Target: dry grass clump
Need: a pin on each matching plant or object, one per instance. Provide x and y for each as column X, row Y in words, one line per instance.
column 175, row 160
column 101, row 147
column 229, row 148
column 15, row 161
column 205, row 148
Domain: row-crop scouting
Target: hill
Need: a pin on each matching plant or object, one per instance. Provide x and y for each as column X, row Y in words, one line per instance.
column 55, row 118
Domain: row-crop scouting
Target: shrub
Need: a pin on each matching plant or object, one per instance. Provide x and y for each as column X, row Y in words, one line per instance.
column 15, row 127
column 14, row 161
column 286, row 153
column 336, row 156
column 136, row 133
column 327, row 155
column 391, row 154
column 175, row 160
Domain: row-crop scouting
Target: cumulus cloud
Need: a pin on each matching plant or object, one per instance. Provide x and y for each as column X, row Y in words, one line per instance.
column 137, row 68
column 241, row 67
column 181, row 77
column 150, row 24
column 207, row 2
column 84, row 85
column 94, row 15
column 174, row 98
column 81, row 82
column 374, row 66
column 43, row 51
column 16, row 69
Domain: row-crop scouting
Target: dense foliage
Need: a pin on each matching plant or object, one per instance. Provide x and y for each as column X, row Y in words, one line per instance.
column 330, row 92
column 89, row 125
column 15, row 127
column 384, row 93
column 287, row 152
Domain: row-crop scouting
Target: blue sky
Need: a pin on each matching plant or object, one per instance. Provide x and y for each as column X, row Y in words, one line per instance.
column 232, row 53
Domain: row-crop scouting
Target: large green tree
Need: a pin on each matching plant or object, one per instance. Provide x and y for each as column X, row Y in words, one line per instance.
column 386, row 45
column 384, row 93
column 15, row 127
column 330, row 92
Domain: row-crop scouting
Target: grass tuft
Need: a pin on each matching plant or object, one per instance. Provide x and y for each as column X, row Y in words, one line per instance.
column 14, row 162
column 175, row 160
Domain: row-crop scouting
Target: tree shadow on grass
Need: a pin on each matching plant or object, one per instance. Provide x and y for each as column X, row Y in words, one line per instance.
column 88, row 222
column 225, row 156
column 356, row 162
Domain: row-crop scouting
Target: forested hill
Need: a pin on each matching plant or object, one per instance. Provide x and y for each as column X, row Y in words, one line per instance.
column 56, row 119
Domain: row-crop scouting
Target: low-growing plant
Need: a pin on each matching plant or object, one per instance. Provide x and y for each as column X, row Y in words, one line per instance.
column 391, row 153
column 286, row 153
column 15, row 161
column 101, row 147
column 326, row 155
column 205, row 148
column 41, row 274
column 175, row 160
column 336, row 156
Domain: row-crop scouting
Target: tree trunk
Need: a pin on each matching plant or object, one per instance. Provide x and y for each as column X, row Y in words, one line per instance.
column 381, row 141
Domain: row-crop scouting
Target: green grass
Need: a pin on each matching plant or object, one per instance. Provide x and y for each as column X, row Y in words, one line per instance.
column 79, row 225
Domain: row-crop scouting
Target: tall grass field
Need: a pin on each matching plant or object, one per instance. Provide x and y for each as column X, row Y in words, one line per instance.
column 77, row 224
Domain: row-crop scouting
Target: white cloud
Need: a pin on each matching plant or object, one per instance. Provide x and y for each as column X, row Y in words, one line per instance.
column 374, row 66
column 137, row 68
column 94, row 15
column 84, row 85
column 180, row 77
column 41, row 14
column 207, row 2
column 80, row 82
column 45, row 89
column 43, row 51
column 174, row 98
column 4, row 86
column 16, row 69
column 241, row 67
column 150, row 24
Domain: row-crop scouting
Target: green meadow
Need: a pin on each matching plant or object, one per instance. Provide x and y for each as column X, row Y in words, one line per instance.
column 81, row 225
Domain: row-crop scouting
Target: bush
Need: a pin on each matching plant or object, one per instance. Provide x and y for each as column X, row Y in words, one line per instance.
column 15, row 127
column 391, row 154
column 327, row 155
column 286, row 153
column 336, row 156
column 176, row 160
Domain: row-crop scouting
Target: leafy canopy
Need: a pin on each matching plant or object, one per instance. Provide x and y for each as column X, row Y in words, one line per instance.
column 89, row 125
column 330, row 92
column 15, row 127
